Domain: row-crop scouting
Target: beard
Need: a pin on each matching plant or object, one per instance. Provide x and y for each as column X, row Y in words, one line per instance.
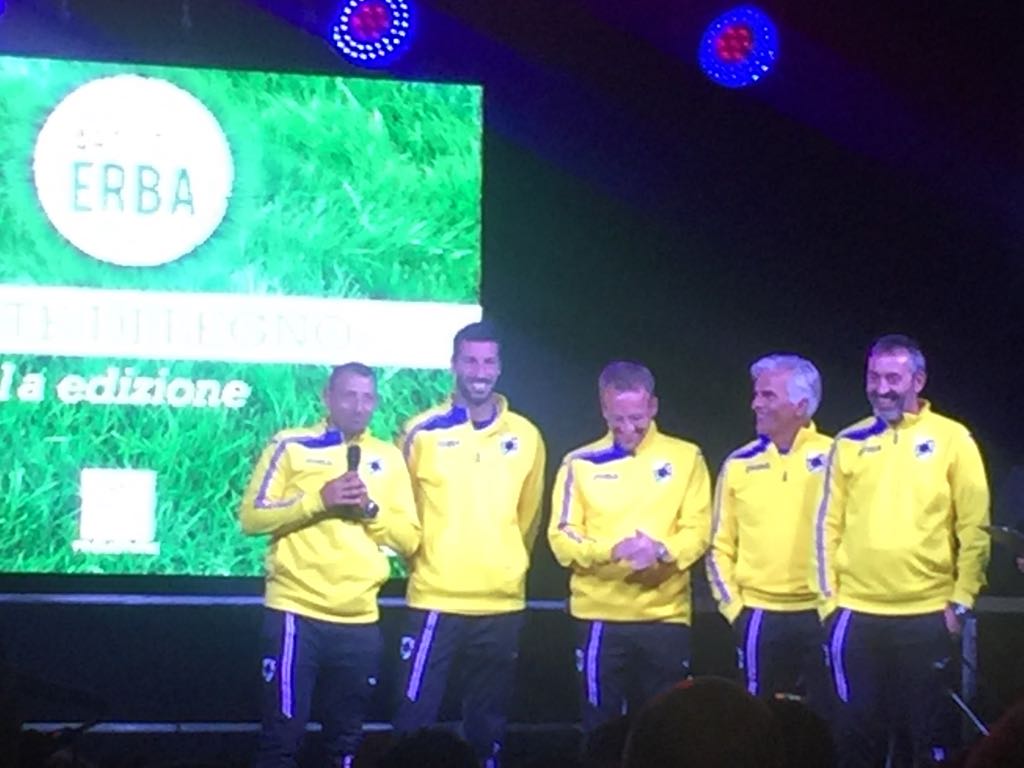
column 889, row 409
column 476, row 395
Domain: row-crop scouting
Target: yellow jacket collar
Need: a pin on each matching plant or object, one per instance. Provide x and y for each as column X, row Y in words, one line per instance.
column 461, row 413
column 910, row 420
column 649, row 437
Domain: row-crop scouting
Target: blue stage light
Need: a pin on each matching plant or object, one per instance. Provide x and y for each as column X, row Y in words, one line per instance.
column 372, row 33
column 739, row 47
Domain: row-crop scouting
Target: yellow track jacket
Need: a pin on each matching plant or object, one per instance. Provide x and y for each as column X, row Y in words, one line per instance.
column 604, row 494
column 317, row 564
column 898, row 531
column 478, row 492
column 763, row 524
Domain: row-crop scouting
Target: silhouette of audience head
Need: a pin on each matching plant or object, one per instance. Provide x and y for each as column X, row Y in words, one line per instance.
column 1004, row 745
column 806, row 738
column 706, row 722
column 604, row 747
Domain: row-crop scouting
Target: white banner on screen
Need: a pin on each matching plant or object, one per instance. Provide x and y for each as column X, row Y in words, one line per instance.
column 153, row 325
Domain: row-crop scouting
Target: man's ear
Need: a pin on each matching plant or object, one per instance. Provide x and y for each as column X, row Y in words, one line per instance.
column 920, row 379
column 802, row 407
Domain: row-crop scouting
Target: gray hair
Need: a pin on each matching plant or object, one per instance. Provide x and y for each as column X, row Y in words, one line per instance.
column 804, row 381
column 894, row 343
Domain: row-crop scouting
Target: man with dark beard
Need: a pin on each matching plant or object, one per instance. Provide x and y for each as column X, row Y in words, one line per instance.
column 477, row 470
column 899, row 558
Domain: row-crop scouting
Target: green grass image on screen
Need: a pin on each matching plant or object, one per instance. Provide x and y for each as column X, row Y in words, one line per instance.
column 348, row 189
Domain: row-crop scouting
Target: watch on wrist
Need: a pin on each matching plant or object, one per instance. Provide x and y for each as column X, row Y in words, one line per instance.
column 961, row 611
column 663, row 555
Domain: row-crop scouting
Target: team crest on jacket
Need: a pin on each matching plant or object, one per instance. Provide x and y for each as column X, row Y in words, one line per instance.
column 816, row 462
column 376, row 467
column 662, row 471
column 509, row 444
column 924, row 448
column 269, row 668
column 406, row 647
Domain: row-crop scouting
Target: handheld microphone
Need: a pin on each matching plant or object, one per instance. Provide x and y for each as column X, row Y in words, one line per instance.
column 352, row 457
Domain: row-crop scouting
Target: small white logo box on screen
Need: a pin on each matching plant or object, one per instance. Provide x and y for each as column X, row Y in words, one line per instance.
column 118, row 512
column 133, row 170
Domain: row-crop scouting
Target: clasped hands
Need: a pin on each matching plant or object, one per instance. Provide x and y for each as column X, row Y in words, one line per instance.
column 642, row 554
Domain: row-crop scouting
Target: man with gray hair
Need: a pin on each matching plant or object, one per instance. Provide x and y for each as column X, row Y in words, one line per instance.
column 762, row 530
column 630, row 516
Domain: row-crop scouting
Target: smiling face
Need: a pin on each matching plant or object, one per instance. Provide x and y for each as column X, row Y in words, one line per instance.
column 628, row 414
column 893, row 385
column 775, row 414
column 476, row 367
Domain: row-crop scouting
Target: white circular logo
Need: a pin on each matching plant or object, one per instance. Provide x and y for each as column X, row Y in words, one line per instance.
column 133, row 170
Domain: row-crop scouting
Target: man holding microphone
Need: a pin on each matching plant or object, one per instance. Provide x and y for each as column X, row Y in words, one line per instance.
column 329, row 495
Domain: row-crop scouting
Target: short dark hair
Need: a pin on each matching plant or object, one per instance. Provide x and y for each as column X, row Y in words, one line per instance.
column 353, row 368
column 481, row 331
column 898, row 342
column 626, row 376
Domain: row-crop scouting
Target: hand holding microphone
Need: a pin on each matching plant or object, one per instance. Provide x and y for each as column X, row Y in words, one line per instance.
column 346, row 496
